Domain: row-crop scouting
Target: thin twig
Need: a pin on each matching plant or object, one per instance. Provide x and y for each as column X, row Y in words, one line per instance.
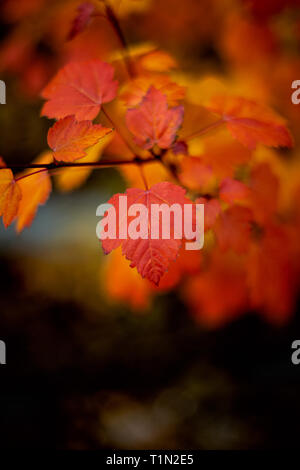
column 112, row 18
column 56, row 165
column 30, row 174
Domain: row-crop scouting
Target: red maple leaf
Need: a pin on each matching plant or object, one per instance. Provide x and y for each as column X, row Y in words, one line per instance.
column 150, row 256
column 152, row 122
column 80, row 88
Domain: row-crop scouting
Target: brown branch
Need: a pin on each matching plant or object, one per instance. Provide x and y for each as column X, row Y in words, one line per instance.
column 112, row 18
column 56, row 165
column 30, row 174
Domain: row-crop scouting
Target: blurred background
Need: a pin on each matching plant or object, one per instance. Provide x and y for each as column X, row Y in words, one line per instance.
column 89, row 365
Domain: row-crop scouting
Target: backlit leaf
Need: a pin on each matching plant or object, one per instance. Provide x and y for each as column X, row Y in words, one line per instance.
column 150, row 256
column 36, row 189
column 251, row 123
column 152, row 122
column 10, row 196
column 69, row 139
column 80, row 88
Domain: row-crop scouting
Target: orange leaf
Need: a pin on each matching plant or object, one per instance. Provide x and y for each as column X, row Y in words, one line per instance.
column 127, row 285
column 187, row 263
column 10, row 196
column 152, row 123
column 68, row 179
column 2, row 163
column 154, row 173
column 36, row 189
column 137, row 89
column 264, row 185
column 212, row 209
column 233, row 191
column 251, row 123
column 157, row 61
column 233, row 229
column 210, row 308
column 69, row 139
column 194, row 173
column 271, row 275
column 80, row 88
column 130, row 288
column 150, row 256
column 217, row 295
column 223, row 154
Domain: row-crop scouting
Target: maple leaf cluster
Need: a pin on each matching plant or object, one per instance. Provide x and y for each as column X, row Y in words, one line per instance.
column 178, row 137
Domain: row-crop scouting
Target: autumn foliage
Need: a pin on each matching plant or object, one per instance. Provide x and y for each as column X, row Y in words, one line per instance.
column 226, row 139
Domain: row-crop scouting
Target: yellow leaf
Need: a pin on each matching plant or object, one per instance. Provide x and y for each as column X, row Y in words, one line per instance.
column 10, row 196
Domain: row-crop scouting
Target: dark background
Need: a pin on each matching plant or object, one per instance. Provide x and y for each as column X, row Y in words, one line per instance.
column 121, row 381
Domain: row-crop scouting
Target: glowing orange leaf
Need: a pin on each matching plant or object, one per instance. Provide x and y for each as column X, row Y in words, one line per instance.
column 251, row 123
column 153, row 123
column 219, row 294
column 233, row 191
column 137, row 88
column 69, row 139
column 10, row 196
column 212, row 209
column 36, row 189
column 233, row 229
column 68, row 179
column 194, row 173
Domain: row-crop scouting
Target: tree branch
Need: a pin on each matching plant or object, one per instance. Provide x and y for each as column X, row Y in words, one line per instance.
column 56, row 165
